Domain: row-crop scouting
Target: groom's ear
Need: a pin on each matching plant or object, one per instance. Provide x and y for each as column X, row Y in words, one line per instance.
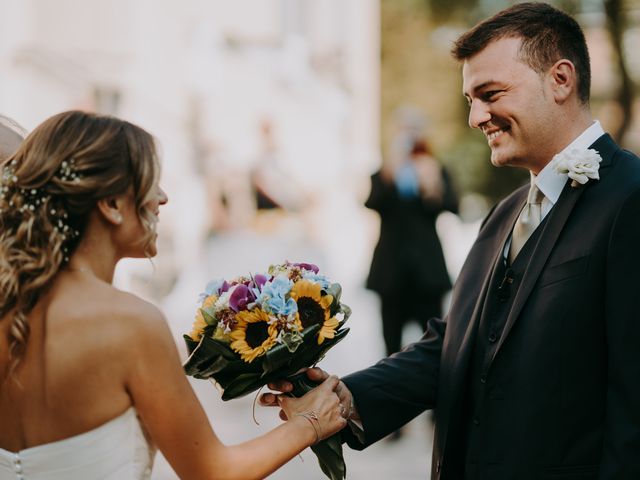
column 563, row 80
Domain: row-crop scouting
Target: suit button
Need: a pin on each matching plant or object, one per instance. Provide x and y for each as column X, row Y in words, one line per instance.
column 483, row 379
column 476, row 421
column 493, row 338
column 438, row 466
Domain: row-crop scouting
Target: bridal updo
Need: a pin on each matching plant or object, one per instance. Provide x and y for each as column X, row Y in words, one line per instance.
column 48, row 189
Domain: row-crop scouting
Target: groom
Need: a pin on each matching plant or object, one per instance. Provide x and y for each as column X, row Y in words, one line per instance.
column 535, row 372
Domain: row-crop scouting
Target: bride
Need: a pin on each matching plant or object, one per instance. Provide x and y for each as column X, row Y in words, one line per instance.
column 91, row 381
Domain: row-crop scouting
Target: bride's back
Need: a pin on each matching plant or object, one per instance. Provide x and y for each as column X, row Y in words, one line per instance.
column 72, row 376
column 78, row 195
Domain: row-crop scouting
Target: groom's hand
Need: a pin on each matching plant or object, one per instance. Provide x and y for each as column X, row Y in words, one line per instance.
column 316, row 375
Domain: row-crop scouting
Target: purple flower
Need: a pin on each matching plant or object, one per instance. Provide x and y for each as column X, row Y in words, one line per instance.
column 215, row 287
column 260, row 279
column 307, row 266
column 240, row 297
column 225, row 287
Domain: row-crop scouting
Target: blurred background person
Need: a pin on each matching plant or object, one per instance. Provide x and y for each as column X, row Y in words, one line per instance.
column 277, row 196
column 408, row 269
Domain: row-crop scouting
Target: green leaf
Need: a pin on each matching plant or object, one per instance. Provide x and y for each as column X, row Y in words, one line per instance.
column 209, row 316
column 207, row 349
column 243, row 384
column 330, row 457
column 292, row 341
column 335, row 290
column 211, row 356
column 279, row 356
column 206, row 370
column 346, row 310
column 191, row 343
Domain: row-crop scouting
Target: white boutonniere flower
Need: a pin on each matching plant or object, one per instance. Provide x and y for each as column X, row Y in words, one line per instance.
column 579, row 165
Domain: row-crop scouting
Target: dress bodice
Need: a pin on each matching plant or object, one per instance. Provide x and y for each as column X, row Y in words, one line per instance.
column 116, row 450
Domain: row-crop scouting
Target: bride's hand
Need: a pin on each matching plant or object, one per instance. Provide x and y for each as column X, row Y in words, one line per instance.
column 317, row 375
column 319, row 409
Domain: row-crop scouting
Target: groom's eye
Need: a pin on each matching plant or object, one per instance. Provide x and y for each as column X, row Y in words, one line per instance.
column 490, row 95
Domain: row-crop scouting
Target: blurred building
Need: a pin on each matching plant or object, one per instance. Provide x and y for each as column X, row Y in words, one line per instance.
column 203, row 76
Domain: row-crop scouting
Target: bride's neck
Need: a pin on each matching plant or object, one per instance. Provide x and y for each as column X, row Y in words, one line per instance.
column 92, row 260
column 96, row 253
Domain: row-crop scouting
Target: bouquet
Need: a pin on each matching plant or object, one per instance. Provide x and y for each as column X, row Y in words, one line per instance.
column 258, row 328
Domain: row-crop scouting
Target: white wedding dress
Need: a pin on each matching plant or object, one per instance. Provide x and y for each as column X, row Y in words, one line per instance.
column 116, row 450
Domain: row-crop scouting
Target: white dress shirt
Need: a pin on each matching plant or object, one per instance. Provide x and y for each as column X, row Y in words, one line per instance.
column 550, row 182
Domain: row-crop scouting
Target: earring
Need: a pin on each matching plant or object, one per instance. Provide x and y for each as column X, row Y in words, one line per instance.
column 118, row 219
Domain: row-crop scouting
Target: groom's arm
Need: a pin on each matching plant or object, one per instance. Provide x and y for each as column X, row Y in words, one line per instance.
column 398, row 388
column 622, row 429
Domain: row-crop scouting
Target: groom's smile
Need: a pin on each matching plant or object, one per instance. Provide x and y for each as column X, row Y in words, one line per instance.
column 493, row 133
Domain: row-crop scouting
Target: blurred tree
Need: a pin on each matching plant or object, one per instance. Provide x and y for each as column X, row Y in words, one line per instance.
column 417, row 70
column 616, row 25
column 616, row 12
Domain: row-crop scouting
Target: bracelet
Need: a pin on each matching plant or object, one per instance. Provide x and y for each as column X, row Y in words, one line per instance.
column 313, row 419
column 352, row 408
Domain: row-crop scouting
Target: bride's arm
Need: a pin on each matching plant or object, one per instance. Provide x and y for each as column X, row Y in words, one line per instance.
column 178, row 425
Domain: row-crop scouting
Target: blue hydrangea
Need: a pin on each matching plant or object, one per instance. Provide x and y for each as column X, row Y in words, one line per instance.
column 273, row 298
column 320, row 279
column 213, row 288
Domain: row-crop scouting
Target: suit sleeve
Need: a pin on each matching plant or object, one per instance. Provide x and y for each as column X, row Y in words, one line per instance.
column 621, row 459
column 398, row 388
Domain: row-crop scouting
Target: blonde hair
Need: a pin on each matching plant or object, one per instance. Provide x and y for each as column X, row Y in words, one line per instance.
column 48, row 188
column 12, row 125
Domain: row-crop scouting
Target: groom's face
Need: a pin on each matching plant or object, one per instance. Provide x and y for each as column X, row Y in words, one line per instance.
column 510, row 103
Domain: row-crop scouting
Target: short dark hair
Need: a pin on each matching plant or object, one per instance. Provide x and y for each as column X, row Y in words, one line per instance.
column 547, row 34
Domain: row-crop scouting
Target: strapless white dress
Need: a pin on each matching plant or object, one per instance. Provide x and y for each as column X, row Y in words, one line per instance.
column 117, row 450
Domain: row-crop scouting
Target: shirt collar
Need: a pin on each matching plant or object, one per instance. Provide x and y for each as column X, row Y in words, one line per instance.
column 551, row 182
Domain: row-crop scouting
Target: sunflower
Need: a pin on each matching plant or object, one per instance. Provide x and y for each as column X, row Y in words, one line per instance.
column 313, row 308
column 200, row 323
column 252, row 336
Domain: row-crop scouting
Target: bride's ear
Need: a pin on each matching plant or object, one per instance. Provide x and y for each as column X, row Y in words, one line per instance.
column 111, row 208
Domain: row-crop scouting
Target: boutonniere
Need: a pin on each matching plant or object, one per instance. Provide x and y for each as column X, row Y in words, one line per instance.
column 579, row 165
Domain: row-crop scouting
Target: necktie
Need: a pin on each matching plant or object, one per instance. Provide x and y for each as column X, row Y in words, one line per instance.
column 527, row 222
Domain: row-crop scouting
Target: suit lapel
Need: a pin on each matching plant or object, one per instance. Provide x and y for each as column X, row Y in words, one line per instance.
column 461, row 358
column 504, row 230
column 550, row 233
column 504, row 227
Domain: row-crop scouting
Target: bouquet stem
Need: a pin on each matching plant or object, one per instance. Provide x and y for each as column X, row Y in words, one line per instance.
column 329, row 450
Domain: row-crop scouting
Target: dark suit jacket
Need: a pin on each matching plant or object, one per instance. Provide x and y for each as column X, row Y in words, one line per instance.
column 408, row 252
column 564, row 384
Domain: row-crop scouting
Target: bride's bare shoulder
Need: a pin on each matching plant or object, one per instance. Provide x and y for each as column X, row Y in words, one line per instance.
column 99, row 305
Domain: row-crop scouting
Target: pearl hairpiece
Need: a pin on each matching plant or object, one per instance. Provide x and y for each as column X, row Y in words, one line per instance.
column 34, row 198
